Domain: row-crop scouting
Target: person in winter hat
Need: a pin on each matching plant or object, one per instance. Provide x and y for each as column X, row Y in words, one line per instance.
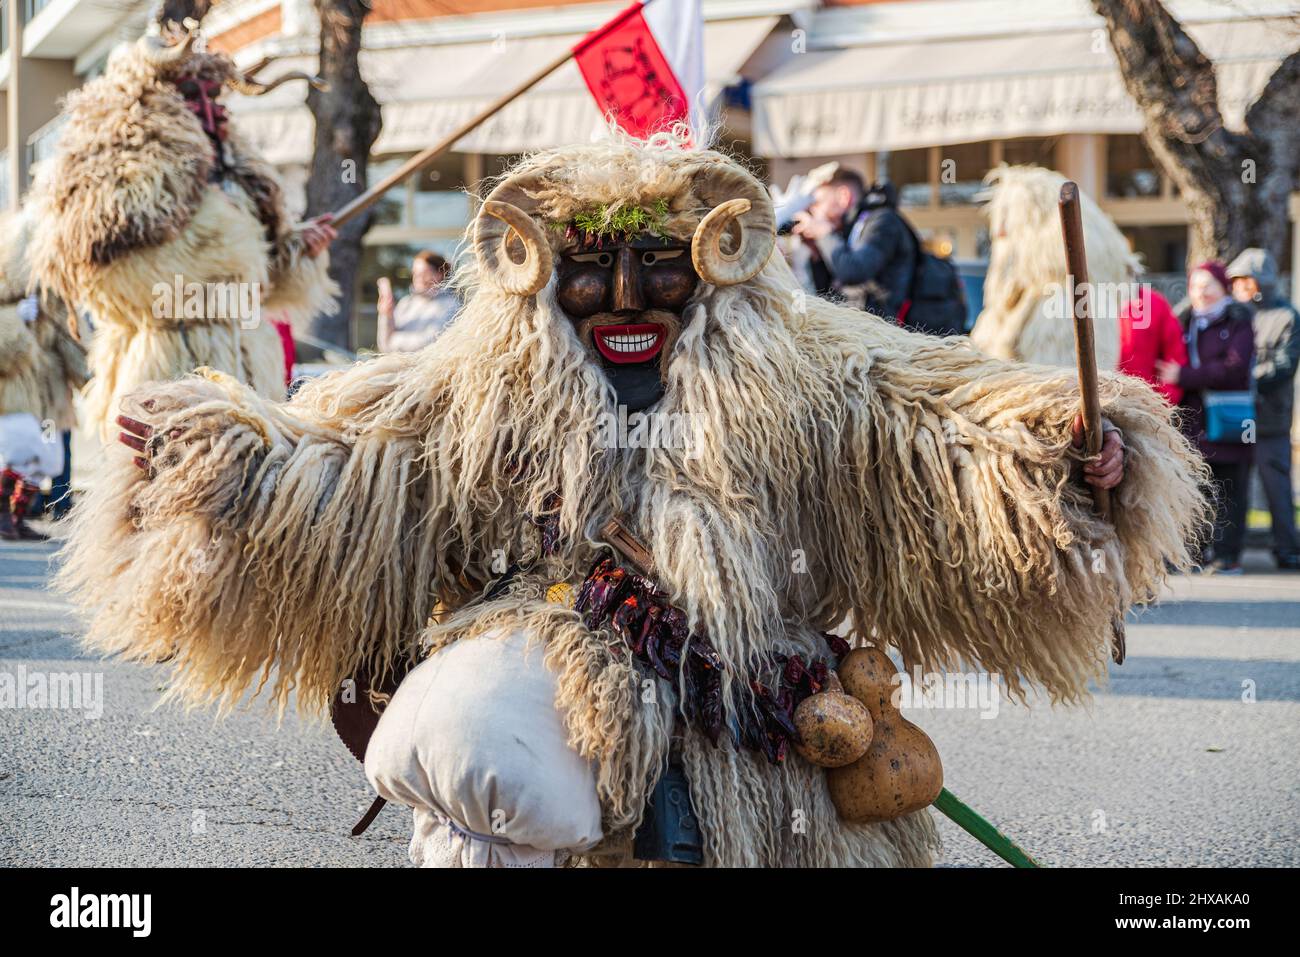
column 1277, row 351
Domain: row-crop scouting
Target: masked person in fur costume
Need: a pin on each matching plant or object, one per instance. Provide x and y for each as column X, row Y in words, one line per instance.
column 41, row 367
column 1027, row 310
column 831, row 469
column 157, row 218
column 27, row 456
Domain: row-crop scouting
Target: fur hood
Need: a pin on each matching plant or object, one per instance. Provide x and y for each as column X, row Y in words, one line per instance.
column 133, row 167
column 15, row 233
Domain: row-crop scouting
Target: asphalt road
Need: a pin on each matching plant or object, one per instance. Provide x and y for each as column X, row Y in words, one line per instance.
column 1170, row 765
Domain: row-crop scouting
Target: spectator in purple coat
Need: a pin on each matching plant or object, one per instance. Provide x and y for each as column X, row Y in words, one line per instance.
column 1220, row 346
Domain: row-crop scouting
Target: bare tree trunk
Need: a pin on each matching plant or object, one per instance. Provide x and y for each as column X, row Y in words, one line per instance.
column 1235, row 185
column 347, row 125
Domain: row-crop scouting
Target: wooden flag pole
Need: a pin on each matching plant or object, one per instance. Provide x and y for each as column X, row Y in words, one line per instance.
column 420, row 160
column 1085, row 353
column 423, row 159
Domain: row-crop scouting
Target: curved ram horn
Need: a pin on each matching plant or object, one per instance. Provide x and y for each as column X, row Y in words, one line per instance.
column 163, row 53
column 242, row 83
column 736, row 197
column 503, row 221
column 257, row 67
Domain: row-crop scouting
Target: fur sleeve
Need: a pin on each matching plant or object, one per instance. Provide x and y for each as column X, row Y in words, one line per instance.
column 17, row 344
column 975, row 543
column 19, row 391
column 270, row 546
column 299, row 284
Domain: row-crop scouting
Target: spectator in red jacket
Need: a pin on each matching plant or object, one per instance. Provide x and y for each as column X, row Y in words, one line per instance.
column 1150, row 332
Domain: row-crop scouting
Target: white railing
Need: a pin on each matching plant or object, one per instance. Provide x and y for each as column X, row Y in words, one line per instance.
column 33, row 7
column 42, row 144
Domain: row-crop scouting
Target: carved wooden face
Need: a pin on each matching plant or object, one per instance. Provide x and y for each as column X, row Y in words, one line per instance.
column 627, row 299
column 201, row 94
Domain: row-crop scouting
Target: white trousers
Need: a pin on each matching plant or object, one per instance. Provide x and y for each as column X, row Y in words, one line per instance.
column 473, row 743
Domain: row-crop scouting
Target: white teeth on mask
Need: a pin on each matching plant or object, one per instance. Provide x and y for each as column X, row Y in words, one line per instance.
column 626, row 343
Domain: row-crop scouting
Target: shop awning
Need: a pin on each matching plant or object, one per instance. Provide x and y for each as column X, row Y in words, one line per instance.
column 426, row 91
column 892, row 96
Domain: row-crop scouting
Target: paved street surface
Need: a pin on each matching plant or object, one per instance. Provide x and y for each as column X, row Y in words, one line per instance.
column 1168, row 766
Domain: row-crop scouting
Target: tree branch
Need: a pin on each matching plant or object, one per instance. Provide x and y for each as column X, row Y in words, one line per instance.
column 1277, row 107
column 1234, row 184
column 1164, row 70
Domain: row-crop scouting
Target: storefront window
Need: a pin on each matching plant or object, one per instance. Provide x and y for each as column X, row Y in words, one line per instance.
column 962, row 168
column 1163, row 248
column 909, row 170
column 1029, row 151
column 433, row 198
column 391, row 208
column 495, row 164
column 1131, row 172
column 939, row 242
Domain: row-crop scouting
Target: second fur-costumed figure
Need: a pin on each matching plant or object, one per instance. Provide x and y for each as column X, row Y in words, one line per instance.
column 160, row 221
column 42, row 365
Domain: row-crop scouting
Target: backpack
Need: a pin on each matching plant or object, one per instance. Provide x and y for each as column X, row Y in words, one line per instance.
column 936, row 300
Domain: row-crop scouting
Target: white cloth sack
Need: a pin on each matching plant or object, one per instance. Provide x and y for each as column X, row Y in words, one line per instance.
column 472, row 741
column 28, row 450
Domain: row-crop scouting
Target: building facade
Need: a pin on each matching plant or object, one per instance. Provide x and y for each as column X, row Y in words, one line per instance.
column 935, row 93
column 47, row 48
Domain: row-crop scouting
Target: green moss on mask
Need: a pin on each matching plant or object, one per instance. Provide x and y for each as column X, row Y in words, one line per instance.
column 605, row 222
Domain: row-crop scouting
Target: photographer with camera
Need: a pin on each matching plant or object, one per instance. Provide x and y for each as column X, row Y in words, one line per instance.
column 866, row 253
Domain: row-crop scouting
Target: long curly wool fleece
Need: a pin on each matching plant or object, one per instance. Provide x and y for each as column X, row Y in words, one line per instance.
column 41, row 364
column 125, row 208
column 20, row 379
column 840, row 468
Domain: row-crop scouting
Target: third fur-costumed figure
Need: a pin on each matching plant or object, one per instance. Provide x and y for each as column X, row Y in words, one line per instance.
column 444, row 517
column 160, row 221
column 1025, row 314
column 42, row 365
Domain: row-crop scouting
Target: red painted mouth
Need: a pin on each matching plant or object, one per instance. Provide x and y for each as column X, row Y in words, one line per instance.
column 624, row 345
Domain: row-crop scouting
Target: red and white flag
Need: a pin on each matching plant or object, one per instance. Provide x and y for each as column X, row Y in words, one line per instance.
column 646, row 66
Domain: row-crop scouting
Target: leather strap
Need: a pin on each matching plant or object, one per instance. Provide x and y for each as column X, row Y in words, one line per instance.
column 369, row 817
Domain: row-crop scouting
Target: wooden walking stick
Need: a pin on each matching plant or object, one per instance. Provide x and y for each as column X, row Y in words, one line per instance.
column 1085, row 352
